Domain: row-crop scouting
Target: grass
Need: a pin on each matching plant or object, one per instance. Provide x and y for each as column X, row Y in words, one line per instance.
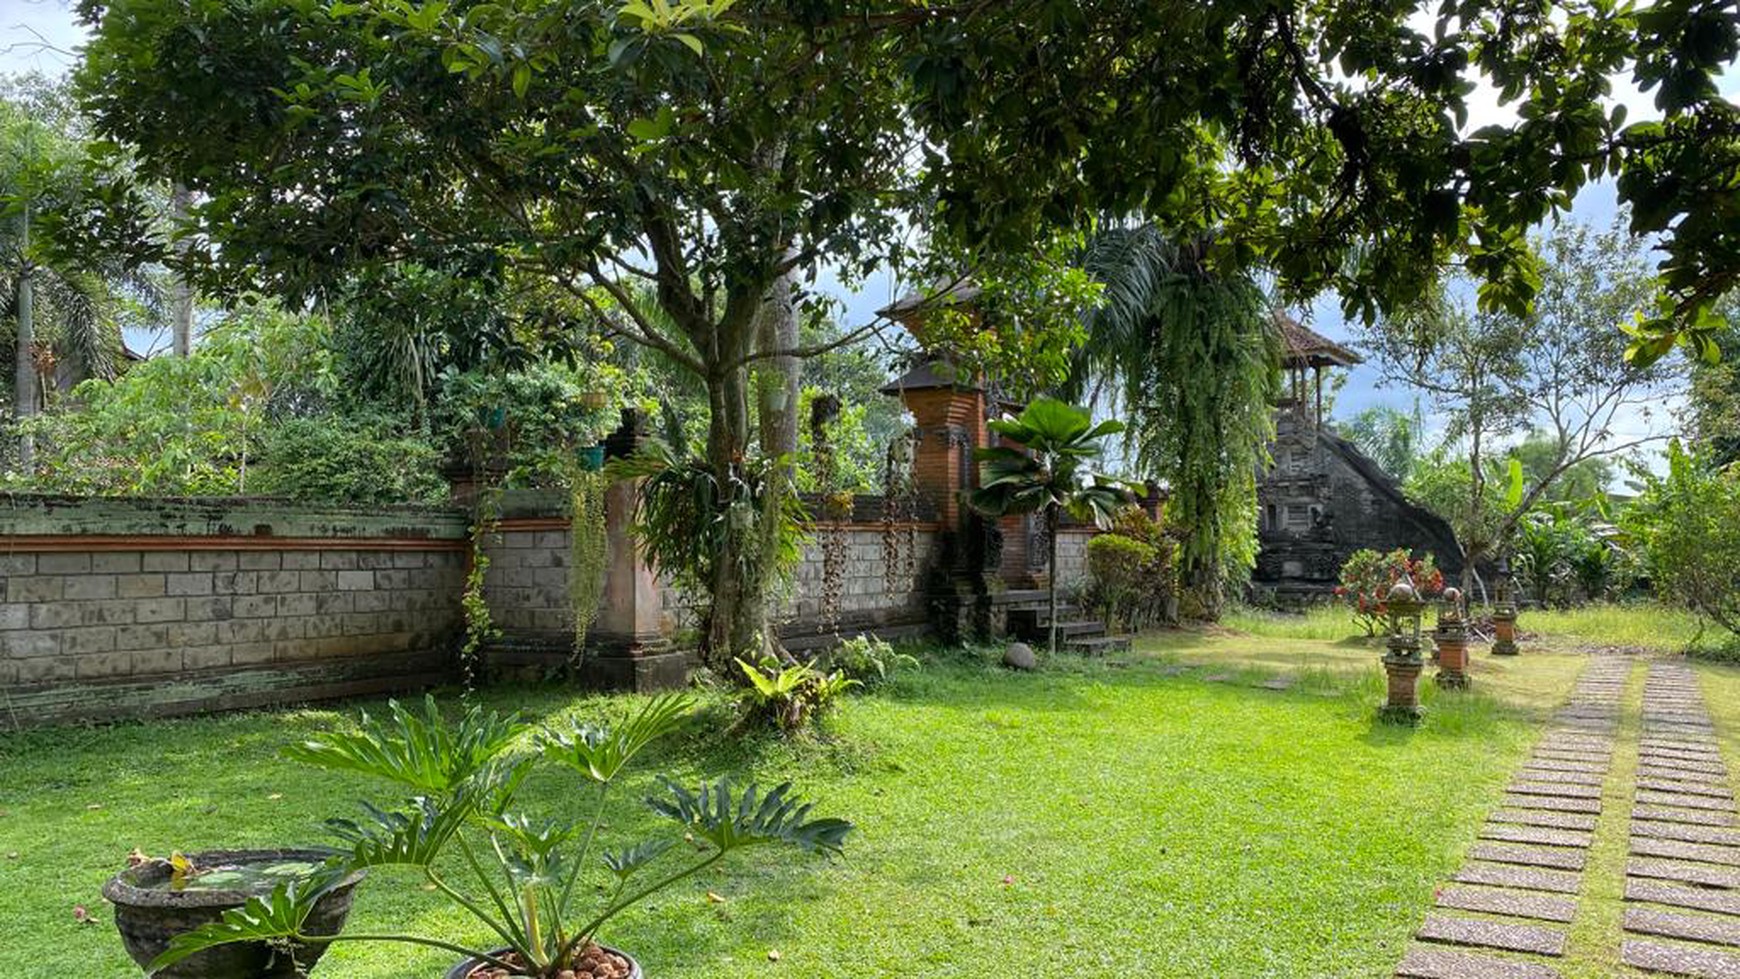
column 1631, row 627
column 1136, row 817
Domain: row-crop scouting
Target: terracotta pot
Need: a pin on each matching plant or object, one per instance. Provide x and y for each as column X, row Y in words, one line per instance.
column 149, row 916
column 463, row 969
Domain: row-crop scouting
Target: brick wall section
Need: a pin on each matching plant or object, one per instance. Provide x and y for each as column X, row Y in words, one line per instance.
column 1072, row 555
column 110, row 625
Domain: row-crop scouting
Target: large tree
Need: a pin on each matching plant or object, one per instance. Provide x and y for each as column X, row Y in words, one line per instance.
column 62, row 302
column 1531, row 400
column 710, row 149
column 1191, row 355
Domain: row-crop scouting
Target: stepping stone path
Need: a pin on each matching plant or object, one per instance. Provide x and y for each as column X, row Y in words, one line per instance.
column 1682, row 888
column 1506, row 914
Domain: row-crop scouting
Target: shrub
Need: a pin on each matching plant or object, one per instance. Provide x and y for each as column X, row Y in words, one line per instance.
column 1689, row 522
column 1367, row 577
column 865, row 660
column 1130, row 572
column 355, row 459
column 531, row 420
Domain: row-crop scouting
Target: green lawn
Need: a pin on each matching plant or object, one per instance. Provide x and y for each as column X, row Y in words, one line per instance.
column 1629, row 627
column 1101, row 819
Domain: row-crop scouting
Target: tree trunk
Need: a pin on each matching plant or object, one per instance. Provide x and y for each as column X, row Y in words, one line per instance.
column 24, row 390
column 180, row 291
column 1051, row 575
column 778, row 389
column 737, row 618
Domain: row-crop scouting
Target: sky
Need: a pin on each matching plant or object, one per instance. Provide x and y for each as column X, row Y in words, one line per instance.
column 42, row 35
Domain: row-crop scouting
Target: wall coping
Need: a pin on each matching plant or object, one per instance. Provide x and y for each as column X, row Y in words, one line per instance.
column 43, row 522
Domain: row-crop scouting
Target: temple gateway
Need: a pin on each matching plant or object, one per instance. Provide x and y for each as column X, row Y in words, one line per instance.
column 1322, row 498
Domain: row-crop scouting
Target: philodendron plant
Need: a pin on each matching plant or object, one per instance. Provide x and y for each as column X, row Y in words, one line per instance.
column 520, row 875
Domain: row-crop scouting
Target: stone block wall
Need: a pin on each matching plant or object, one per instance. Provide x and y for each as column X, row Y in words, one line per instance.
column 526, row 585
column 133, row 608
column 1072, row 544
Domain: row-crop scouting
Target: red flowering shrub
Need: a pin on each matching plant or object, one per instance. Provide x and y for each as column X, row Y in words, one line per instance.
column 1367, row 577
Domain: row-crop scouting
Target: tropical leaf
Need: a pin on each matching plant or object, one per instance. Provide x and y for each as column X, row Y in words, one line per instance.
column 413, row 837
column 276, row 917
column 600, row 753
column 625, row 863
column 730, row 823
column 424, row 753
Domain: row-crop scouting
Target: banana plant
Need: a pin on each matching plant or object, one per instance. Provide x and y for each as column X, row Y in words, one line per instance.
column 522, row 873
column 1049, row 470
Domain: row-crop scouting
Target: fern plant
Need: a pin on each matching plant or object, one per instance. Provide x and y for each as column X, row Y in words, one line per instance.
column 790, row 695
column 530, row 878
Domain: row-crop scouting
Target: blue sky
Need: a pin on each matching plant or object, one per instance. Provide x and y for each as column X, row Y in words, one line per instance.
column 40, row 34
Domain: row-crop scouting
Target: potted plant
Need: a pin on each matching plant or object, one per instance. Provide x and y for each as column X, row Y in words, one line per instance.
column 529, row 874
column 591, row 457
column 157, row 900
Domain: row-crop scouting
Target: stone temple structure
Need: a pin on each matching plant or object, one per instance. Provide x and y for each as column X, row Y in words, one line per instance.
column 1322, row 498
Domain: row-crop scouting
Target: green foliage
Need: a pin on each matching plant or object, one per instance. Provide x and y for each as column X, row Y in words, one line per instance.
column 1024, row 319
column 789, row 696
column 1048, row 470
column 1714, row 395
column 469, row 773
column 1688, row 521
column 1131, row 576
column 588, row 551
column 423, row 753
column 713, row 150
column 529, row 422
column 1367, row 577
column 358, row 458
column 866, row 661
column 687, row 514
column 1048, row 467
column 197, row 426
column 1544, row 388
column 1193, row 351
column 269, row 918
column 55, row 184
column 480, row 628
column 1389, row 437
column 1560, row 559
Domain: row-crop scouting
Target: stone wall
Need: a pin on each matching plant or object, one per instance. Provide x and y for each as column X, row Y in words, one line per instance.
column 113, row 608
column 527, row 588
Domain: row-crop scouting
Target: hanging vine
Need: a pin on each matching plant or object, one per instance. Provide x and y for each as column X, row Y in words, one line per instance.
column 899, row 515
column 836, row 508
column 588, row 552
column 474, row 604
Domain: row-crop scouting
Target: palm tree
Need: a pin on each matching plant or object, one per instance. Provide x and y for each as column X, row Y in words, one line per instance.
column 59, row 304
column 1190, row 354
column 1049, row 473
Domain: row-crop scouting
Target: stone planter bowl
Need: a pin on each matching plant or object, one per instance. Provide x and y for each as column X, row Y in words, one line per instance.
column 463, row 969
column 149, row 916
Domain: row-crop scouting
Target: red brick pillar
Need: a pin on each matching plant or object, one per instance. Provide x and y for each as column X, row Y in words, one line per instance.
column 951, row 424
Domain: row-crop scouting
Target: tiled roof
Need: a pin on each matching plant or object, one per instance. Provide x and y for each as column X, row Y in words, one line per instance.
column 1304, row 347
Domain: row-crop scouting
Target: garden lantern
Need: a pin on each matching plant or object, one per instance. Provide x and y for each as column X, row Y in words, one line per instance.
column 1451, row 639
column 1402, row 664
column 1504, row 612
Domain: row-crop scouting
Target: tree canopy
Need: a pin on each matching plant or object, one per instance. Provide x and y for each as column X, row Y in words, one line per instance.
column 710, row 149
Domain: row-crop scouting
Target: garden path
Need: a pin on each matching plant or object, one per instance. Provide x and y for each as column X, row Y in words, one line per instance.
column 1682, row 881
column 1506, row 914
column 1508, row 911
